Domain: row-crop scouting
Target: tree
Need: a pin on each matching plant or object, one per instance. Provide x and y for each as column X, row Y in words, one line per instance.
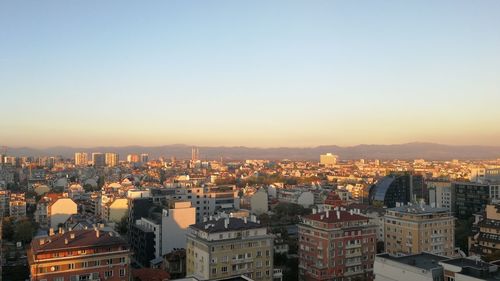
column 24, row 231
column 122, row 226
column 7, row 229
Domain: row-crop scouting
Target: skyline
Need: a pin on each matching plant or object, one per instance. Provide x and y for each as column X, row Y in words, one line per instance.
column 257, row 74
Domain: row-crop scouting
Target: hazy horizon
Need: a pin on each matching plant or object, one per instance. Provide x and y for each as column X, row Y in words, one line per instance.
column 256, row 74
column 252, row 147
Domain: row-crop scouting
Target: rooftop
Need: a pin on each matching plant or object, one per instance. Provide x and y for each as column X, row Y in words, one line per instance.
column 425, row 261
column 75, row 239
column 419, row 209
column 335, row 216
column 219, row 225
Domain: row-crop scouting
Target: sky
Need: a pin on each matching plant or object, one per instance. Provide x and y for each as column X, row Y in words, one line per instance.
column 251, row 73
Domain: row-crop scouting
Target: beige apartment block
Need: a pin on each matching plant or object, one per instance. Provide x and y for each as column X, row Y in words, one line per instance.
column 414, row 229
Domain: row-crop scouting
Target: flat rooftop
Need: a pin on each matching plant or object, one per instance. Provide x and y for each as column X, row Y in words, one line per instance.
column 423, row 260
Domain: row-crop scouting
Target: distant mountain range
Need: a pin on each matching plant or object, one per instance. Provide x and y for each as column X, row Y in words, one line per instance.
column 428, row 151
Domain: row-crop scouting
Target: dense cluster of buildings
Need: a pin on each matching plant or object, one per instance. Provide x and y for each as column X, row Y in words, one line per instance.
column 101, row 217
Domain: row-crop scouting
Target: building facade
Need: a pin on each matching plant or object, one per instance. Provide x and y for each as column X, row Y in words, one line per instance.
column 397, row 188
column 81, row 158
column 470, row 198
column 413, row 229
column 336, row 245
column 487, row 240
column 229, row 247
column 79, row 255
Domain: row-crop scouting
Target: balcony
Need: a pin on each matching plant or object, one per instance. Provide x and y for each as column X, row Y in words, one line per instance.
column 353, row 262
column 353, row 254
column 353, row 246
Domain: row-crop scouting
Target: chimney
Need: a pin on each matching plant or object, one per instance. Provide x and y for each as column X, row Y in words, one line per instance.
column 338, row 214
column 351, row 212
column 42, row 241
column 314, row 211
column 226, row 222
column 72, row 236
column 245, row 219
column 66, row 241
column 327, row 214
column 97, row 233
column 51, row 231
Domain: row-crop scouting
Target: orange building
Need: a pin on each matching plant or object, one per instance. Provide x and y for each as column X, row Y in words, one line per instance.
column 79, row 255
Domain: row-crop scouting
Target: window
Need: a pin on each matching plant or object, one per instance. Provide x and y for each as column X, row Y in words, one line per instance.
column 108, row 273
column 122, row 272
column 59, row 279
column 71, row 266
column 214, row 270
column 110, row 261
column 122, row 260
column 224, row 269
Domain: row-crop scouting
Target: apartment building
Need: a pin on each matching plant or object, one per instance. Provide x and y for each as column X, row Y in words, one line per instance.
column 54, row 209
column 17, row 205
column 81, row 158
column 487, row 240
column 440, row 194
column 90, row 254
column 336, row 245
column 412, row 229
column 209, row 199
column 229, row 247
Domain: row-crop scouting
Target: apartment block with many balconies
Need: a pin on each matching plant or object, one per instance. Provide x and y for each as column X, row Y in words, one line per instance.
column 336, row 245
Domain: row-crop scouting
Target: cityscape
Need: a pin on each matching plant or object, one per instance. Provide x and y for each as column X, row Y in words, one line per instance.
column 220, row 140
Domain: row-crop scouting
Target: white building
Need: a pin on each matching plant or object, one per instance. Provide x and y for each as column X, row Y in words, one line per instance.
column 54, row 209
column 208, row 200
column 259, row 202
column 175, row 222
column 418, row 267
column 440, row 194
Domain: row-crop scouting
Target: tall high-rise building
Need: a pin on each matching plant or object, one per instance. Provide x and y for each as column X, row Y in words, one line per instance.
column 81, row 158
column 195, row 154
column 98, row 160
column 328, row 159
column 112, row 159
column 229, row 247
column 414, row 229
column 144, row 158
column 133, row 158
column 336, row 245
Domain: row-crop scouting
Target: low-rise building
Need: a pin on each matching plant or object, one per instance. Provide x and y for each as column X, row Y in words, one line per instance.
column 417, row 267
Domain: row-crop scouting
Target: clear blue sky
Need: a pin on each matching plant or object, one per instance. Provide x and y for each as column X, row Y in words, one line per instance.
column 256, row 73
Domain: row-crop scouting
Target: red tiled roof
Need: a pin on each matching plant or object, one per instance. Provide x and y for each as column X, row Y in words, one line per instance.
column 332, row 217
column 150, row 274
column 83, row 239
